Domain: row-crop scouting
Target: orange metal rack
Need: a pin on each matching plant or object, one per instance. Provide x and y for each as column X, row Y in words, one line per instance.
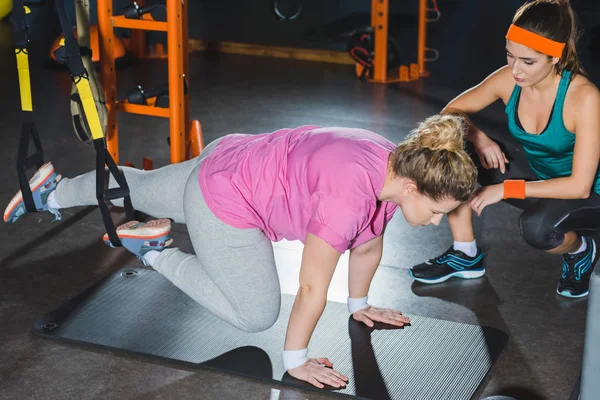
column 379, row 21
column 185, row 136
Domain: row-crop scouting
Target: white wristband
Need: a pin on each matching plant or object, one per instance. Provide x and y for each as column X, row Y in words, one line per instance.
column 294, row 358
column 357, row 304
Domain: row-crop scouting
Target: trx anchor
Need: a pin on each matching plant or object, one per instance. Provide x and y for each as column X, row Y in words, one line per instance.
column 140, row 96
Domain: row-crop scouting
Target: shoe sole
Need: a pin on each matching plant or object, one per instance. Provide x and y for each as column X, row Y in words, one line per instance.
column 151, row 230
column 570, row 295
column 34, row 184
column 472, row 274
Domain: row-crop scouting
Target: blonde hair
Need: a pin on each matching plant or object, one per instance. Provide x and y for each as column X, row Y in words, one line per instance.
column 554, row 20
column 433, row 156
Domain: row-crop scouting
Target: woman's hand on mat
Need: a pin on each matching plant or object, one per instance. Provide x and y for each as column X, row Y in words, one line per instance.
column 486, row 196
column 490, row 154
column 371, row 314
column 319, row 372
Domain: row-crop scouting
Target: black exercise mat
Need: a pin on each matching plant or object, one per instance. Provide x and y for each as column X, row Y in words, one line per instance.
column 138, row 310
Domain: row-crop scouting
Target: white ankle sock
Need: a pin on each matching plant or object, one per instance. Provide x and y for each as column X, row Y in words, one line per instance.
column 582, row 248
column 151, row 256
column 469, row 248
column 51, row 201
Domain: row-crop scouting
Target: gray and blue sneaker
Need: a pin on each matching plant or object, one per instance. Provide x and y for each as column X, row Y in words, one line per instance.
column 577, row 270
column 142, row 237
column 453, row 263
column 42, row 183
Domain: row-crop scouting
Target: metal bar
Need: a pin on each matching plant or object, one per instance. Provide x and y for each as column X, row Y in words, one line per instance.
column 422, row 37
column 127, row 107
column 379, row 19
column 108, row 76
column 590, row 385
column 142, row 24
column 137, row 41
column 175, row 65
column 186, row 72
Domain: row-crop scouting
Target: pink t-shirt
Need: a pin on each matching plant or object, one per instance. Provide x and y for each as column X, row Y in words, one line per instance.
column 291, row 182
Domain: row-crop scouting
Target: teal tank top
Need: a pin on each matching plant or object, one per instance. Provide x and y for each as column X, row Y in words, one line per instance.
column 550, row 154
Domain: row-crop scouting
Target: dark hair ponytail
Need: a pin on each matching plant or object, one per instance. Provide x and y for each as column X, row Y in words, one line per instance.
column 554, row 20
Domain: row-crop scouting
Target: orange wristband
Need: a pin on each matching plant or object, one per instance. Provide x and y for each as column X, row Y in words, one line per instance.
column 514, row 189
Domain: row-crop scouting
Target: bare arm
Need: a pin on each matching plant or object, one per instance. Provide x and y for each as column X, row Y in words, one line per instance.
column 319, row 260
column 494, row 87
column 586, row 154
column 364, row 261
column 477, row 98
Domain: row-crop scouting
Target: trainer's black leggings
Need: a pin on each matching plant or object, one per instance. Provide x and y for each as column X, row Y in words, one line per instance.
column 544, row 222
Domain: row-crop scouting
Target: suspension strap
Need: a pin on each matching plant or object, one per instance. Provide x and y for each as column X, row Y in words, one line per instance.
column 28, row 130
column 72, row 56
column 25, row 162
column 105, row 195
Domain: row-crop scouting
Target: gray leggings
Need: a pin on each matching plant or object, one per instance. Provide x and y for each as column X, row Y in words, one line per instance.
column 233, row 273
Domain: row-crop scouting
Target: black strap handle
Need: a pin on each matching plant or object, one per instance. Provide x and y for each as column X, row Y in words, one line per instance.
column 73, row 55
column 104, row 195
column 25, row 162
column 28, row 130
column 17, row 19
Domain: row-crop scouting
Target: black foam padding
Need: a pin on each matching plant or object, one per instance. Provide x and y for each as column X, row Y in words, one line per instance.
column 139, row 311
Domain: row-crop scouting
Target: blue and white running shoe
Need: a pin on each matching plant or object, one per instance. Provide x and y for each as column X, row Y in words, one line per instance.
column 453, row 263
column 577, row 270
column 141, row 237
column 42, row 183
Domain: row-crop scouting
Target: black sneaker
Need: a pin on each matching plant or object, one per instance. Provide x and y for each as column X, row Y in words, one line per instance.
column 451, row 263
column 577, row 269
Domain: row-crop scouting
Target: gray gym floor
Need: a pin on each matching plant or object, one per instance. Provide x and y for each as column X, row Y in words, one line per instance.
column 42, row 264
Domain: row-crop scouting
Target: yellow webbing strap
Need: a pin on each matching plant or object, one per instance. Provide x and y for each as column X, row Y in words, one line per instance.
column 24, row 79
column 89, row 107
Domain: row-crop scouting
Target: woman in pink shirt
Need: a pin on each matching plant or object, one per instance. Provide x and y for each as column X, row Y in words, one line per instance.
column 334, row 189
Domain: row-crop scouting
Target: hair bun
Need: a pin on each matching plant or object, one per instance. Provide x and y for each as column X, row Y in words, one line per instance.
column 441, row 132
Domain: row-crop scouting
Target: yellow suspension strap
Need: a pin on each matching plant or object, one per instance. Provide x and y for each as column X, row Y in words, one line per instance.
column 92, row 119
column 82, row 15
column 70, row 54
column 28, row 129
column 22, row 54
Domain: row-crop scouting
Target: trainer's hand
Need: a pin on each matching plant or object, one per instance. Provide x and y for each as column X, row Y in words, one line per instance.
column 318, row 372
column 372, row 314
column 486, row 196
column 490, row 154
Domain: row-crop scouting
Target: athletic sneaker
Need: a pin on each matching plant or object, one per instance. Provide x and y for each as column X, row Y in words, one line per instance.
column 141, row 237
column 577, row 269
column 453, row 263
column 42, row 183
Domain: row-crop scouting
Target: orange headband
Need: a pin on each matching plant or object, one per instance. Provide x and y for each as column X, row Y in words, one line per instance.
column 535, row 41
